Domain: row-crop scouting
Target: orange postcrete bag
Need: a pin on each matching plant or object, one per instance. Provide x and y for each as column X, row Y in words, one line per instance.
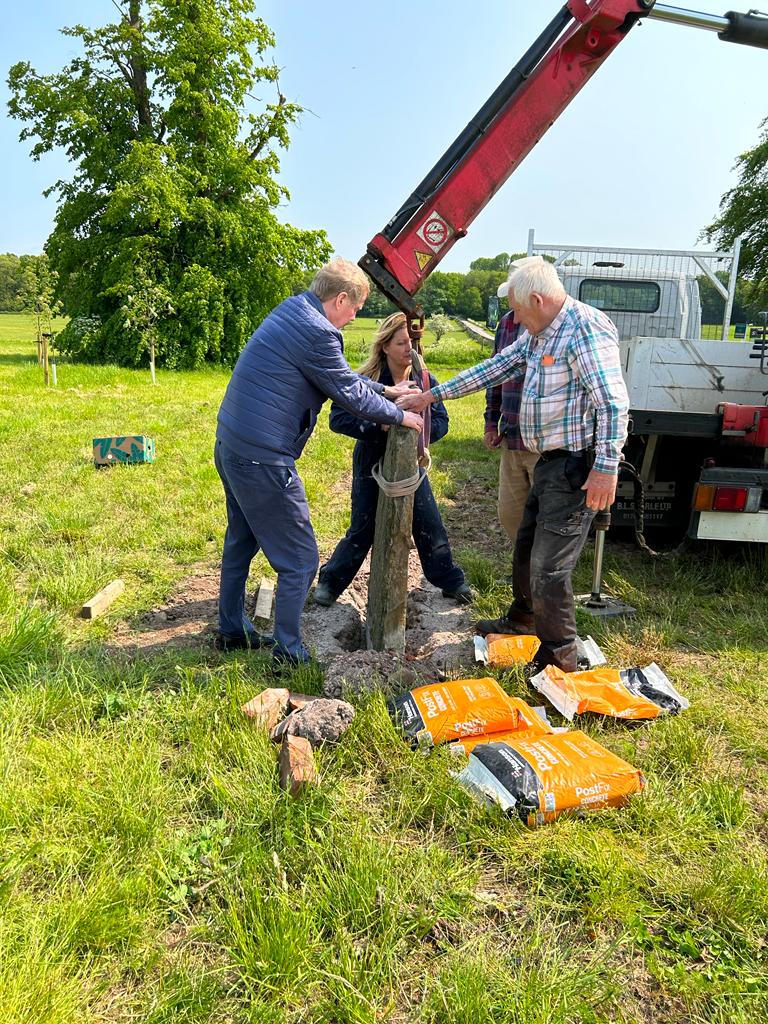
column 536, row 779
column 531, row 723
column 631, row 693
column 505, row 651
column 442, row 712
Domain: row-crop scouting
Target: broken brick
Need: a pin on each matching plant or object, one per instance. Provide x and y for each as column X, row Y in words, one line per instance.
column 268, row 707
column 298, row 700
column 297, row 765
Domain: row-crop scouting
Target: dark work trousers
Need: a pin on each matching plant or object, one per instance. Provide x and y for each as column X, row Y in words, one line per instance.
column 555, row 525
column 429, row 535
column 266, row 510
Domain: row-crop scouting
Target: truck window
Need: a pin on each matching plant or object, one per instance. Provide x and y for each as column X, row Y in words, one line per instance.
column 620, row 296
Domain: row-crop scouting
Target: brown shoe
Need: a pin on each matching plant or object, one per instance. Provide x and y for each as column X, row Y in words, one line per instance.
column 514, row 622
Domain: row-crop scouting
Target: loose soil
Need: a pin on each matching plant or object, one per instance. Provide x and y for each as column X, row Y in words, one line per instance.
column 438, row 639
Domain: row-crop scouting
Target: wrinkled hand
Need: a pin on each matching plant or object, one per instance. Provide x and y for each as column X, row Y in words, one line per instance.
column 601, row 489
column 415, row 400
column 393, row 392
column 412, row 420
column 492, row 439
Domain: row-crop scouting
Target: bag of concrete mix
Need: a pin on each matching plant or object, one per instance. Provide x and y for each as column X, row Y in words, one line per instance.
column 538, row 779
column 531, row 723
column 442, row 712
column 503, row 650
column 631, row 693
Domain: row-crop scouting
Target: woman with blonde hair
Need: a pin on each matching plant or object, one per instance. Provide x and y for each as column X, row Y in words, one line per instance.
column 389, row 363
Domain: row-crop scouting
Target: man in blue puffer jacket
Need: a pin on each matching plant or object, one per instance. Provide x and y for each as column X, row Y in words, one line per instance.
column 291, row 364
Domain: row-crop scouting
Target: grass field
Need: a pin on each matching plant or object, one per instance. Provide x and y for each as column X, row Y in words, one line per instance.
column 153, row 871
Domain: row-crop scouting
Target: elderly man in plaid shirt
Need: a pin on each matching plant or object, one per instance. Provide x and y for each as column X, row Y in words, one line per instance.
column 573, row 414
column 502, row 428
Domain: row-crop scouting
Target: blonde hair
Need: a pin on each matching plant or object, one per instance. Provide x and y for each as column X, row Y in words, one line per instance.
column 377, row 357
column 340, row 276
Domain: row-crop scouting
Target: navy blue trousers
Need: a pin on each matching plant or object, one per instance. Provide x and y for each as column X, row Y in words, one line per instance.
column 429, row 535
column 266, row 510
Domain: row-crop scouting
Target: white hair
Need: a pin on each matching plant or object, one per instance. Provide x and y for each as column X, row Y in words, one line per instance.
column 534, row 275
column 522, row 261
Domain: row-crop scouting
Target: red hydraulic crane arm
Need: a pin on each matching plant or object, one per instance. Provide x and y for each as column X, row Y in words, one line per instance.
column 505, row 129
column 534, row 94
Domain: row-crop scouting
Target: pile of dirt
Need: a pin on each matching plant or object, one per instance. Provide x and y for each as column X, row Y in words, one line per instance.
column 437, row 639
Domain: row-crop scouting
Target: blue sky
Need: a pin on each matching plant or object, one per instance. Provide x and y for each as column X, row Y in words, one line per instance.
column 641, row 157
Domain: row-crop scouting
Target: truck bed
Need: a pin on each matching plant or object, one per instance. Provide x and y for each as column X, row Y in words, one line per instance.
column 689, row 379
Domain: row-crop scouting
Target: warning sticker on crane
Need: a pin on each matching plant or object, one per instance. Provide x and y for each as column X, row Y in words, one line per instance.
column 422, row 258
column 435, row 231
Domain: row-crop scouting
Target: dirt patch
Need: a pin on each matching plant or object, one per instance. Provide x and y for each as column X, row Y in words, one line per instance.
column 437, row 641
column 187, row 619
column 471, row 519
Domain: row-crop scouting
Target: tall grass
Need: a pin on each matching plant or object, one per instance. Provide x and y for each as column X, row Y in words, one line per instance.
column 152, row 870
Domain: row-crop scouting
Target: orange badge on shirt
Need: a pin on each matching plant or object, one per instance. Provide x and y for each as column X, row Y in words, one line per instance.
column 547, row 360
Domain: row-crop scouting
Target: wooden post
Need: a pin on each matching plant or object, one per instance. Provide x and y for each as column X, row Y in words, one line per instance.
column 152, row 360
column 388, row 583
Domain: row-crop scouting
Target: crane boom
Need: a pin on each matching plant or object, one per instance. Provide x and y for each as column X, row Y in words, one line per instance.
column 532, row 96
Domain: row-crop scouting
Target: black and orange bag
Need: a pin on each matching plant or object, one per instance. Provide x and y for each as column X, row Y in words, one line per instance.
column 442, row 712
column 531, row 723
column 536, row 779
column 630, row 693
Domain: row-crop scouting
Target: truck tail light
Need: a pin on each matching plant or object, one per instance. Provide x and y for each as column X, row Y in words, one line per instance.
column 704, row 497
column 730, row 499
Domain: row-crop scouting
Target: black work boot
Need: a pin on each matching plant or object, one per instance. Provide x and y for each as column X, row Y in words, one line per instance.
column 564, row 658
column 516, row 621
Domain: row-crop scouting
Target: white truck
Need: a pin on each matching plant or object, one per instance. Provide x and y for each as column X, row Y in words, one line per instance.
column 698, row 414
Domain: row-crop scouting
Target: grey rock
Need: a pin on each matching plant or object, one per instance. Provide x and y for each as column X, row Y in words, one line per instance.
column 322, row 721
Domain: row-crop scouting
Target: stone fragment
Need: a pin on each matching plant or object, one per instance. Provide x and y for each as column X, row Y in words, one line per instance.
column 268, row 707
column 321, row 721
column 297, row 765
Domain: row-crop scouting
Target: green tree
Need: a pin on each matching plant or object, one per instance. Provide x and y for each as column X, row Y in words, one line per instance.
column 744, row 211
column 174, row 183
column 41, row 292
column 500, row 262
column 439, row 324
column 14, row 283
column 377, row 305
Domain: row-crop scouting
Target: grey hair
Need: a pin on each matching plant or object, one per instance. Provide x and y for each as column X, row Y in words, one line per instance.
column 340, row 276
column 536, row 275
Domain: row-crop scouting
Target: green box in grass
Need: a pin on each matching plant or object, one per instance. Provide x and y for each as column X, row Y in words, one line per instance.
column 131, row 448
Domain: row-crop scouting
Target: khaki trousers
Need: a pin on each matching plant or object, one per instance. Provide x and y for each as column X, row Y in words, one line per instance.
column 515, row 481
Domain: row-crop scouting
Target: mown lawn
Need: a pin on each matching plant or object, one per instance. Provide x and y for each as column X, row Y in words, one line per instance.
column 153, row 871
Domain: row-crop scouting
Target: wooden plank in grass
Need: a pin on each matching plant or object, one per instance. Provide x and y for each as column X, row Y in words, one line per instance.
column 264, row 599
column 101, row 601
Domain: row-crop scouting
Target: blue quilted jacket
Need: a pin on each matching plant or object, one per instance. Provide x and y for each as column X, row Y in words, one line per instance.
column 293, row 361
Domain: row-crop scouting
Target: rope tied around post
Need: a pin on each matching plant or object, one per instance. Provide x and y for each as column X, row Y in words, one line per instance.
column 400, row 488
column 409, row 485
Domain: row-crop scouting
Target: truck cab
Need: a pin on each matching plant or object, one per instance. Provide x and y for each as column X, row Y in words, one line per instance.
column 642, row 302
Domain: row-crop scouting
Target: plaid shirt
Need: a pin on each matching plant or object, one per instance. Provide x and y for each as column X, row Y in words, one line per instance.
column 502, row 401
column 573, row 391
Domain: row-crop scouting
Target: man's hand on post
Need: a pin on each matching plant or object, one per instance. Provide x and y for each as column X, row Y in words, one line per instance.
column 393, row 392
column 412, row 420
column 601, row 489
column 492, row 438
column 415, row 400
